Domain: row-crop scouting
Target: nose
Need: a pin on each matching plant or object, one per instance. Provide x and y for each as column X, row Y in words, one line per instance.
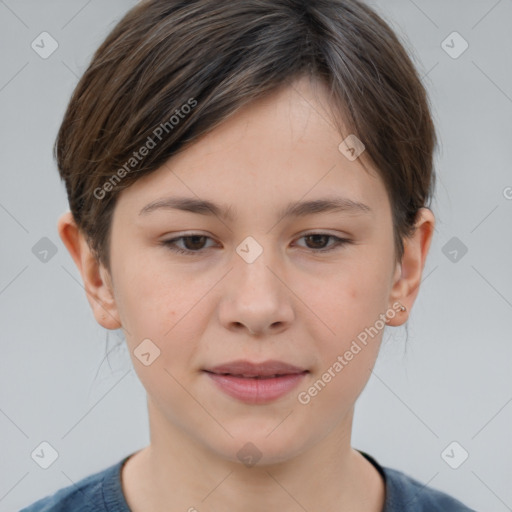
column 256, row 299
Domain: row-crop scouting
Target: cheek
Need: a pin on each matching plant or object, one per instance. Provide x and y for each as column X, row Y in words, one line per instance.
column 350, row 303
column 164, row 306
column 348, row 300
column 150, row 298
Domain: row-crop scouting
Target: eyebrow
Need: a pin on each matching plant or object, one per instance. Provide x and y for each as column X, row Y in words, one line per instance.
column 294, row 209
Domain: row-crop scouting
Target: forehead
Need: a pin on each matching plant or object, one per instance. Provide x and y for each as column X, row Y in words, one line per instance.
column 282, row 148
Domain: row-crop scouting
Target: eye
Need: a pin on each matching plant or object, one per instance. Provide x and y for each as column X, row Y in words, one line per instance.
column 321, row 238
column 194, row 244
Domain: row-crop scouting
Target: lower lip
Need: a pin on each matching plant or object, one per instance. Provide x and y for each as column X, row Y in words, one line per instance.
column 256, row 391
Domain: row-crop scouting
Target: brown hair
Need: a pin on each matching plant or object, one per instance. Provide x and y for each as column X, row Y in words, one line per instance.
column 182, row 67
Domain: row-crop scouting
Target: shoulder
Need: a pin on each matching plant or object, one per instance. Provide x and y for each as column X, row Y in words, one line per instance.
column 405, row 493
column 98, row 492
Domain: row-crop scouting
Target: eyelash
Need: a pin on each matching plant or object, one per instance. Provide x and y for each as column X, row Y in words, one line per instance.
column 171, row 244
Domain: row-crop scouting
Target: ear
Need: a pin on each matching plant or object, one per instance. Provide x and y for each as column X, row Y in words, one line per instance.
column 408, row 274
column 97, row 280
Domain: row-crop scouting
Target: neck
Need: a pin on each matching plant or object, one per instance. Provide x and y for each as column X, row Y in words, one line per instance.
column 177, row 470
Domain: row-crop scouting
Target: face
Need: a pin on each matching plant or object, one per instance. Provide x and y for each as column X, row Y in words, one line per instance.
column 256, row 285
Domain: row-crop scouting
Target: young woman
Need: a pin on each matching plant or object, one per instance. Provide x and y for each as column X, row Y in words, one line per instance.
column 249, row 186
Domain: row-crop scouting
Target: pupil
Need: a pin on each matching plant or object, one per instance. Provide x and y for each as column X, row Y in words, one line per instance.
column 318, row 236
column 194, row 239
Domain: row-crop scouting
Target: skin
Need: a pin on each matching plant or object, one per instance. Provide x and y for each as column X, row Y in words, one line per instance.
column 292, row 304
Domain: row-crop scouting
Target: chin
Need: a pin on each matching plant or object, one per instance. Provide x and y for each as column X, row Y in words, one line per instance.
column 254, row 446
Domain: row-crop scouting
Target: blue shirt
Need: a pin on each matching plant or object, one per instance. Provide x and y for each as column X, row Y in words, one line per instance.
column 102, row 492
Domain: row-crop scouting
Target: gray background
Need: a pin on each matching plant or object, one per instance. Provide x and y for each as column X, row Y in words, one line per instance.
column 451, row 382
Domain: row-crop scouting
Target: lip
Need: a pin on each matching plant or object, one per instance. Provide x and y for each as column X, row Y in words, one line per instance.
column 256, row 383
column 249, row 369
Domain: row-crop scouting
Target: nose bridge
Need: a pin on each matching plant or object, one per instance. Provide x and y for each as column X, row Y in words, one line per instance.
column 252, row 269
column 255, row 297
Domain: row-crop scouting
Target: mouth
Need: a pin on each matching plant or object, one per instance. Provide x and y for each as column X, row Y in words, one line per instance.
column 265, row 370
column 256, row 383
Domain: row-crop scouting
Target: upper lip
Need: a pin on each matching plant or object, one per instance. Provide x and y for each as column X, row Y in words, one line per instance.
column 250, row 369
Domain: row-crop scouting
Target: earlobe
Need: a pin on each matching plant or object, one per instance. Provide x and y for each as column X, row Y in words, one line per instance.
column 406, row 287
column 96, row 279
